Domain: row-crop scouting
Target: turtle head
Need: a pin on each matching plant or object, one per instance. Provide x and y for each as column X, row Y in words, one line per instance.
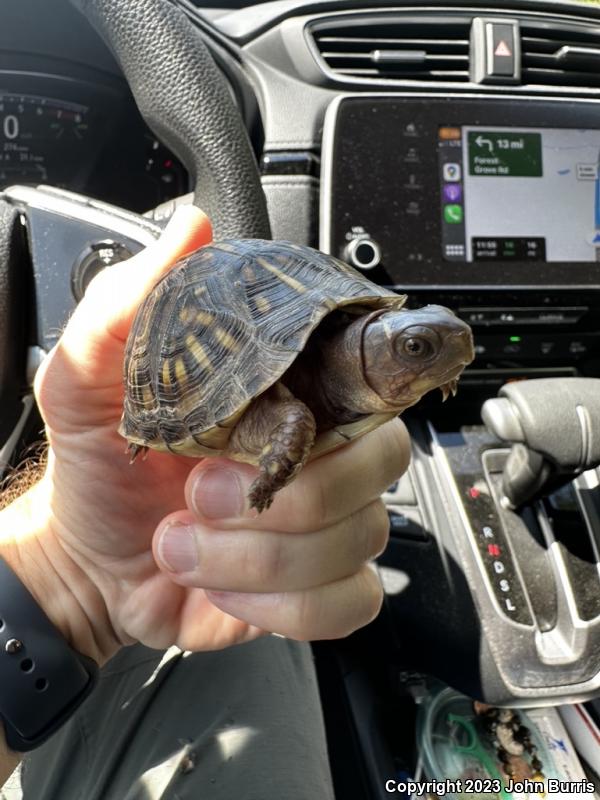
column 407, row 353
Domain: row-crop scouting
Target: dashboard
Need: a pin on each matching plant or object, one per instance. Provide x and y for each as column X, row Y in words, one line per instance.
column 67, row 127
column 449, row 150
column 487, row 203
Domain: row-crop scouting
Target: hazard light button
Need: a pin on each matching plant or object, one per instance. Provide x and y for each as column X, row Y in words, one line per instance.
column 495, row 51
column 502, row 46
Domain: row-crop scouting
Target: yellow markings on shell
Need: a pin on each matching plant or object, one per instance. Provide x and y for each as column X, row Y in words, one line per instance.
column 198, row 352
column 273, row 468
column 185, row 315
column 147, row 396
column 166, row 373
column 287, row 279
column 180, row 372
column 199, row 291
column 204, row 318
column 226, row 339
column 262, row 304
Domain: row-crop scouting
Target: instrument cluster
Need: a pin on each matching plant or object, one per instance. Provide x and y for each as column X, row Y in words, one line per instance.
column 85, row 137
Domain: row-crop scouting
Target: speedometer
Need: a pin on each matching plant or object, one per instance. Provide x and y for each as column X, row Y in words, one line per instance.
column 41, row 140
column 85, row 138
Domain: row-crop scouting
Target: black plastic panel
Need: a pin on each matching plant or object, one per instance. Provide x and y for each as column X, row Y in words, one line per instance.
column 380, row 142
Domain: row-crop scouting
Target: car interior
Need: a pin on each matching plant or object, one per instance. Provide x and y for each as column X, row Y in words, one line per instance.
column 448, row 150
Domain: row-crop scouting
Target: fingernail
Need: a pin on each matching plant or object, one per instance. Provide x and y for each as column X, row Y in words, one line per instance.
column 217, row 494
column 177, row 548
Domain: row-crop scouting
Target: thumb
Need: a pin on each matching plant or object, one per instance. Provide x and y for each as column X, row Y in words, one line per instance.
column 114, row 295
column 89, row 354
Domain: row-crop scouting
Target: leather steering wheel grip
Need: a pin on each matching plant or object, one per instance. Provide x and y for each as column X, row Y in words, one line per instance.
column 182, row 96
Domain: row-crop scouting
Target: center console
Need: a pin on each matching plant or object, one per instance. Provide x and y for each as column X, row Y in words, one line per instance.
column 490, row 206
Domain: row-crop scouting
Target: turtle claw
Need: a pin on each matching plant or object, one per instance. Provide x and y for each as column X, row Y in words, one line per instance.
column 259, row 497
column 134, row 450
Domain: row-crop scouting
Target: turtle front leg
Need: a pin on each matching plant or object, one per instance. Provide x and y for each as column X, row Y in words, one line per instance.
column 281, row 430
column 283, row 456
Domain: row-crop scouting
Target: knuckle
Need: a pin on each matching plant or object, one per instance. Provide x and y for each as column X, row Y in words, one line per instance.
column 368, row 602
column 264, row 563
column 379, row 529
column 371, row 532
column 365, row 595
column 301, row 616
column 312, row 505
column 372, row 595
column 396, row 446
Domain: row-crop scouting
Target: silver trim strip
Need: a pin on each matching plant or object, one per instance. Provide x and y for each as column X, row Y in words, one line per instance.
column 440, row 459
column 94, row 212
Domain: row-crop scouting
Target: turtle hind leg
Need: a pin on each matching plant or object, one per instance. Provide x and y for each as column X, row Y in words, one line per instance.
column 285, row 452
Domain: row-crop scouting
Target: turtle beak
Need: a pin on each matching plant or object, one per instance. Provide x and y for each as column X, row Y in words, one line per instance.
column 458, row 349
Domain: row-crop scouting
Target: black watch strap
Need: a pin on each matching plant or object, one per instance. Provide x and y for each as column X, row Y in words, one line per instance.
column 42, row 679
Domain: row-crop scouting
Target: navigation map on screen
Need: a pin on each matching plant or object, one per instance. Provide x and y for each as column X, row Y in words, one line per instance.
column 526, row 194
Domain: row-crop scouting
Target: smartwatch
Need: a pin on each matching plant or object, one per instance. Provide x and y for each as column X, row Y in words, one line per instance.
column 42, row 679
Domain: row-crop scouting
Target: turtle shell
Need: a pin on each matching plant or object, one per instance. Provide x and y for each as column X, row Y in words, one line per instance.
column 223, row 326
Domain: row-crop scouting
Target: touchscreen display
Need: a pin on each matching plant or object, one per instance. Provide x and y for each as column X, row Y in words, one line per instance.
column 519, row 194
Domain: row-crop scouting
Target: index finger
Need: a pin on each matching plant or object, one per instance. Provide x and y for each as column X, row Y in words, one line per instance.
column 326, row 490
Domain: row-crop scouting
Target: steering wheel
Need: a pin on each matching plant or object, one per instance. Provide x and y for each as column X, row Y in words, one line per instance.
column 184, row 100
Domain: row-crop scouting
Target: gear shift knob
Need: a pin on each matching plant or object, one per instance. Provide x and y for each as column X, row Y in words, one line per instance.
column 553, row 425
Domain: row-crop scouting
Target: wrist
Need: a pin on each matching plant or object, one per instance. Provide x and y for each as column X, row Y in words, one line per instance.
column 31, row 548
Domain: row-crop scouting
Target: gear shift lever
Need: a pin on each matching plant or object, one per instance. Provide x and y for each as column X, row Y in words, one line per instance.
column 553, row 425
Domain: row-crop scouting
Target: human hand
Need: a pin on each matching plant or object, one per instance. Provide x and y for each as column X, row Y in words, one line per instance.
column 94, row 551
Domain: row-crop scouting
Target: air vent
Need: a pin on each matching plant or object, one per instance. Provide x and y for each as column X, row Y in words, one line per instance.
column 556, row 54
column 395, row 48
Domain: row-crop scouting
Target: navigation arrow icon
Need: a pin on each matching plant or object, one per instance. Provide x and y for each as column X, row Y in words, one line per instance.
column 480, row 142
column 502, row 49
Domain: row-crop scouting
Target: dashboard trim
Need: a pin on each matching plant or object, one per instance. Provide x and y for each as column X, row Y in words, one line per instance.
column 93, row 212
column 245, row 24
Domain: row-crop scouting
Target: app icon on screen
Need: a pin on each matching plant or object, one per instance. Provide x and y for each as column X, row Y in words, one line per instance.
column 452, row 172
column 452, row 192
column 453, row 213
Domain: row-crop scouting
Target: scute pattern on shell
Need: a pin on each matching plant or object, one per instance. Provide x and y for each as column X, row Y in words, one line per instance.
column 222, row 326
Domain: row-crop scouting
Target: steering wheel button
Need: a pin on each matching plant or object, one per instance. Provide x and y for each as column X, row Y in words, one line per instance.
column 92, row 261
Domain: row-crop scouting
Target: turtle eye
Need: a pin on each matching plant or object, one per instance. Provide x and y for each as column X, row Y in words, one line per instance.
column 416, row 347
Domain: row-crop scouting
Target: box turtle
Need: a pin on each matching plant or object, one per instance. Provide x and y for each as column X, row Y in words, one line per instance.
column 272, row 353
